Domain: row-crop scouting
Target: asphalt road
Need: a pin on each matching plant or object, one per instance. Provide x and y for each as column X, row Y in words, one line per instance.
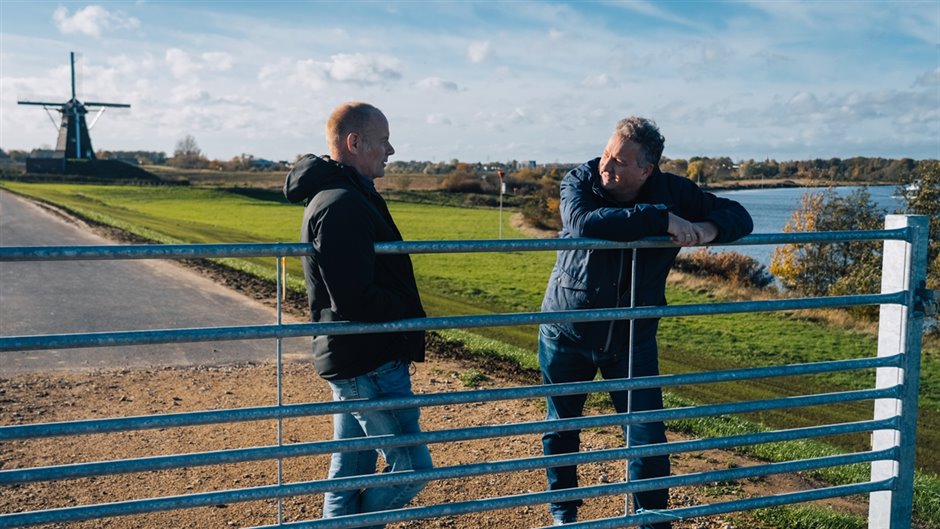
column 57, row 297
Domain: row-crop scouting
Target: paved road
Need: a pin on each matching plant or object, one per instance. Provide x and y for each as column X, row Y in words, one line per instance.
column 58, row 297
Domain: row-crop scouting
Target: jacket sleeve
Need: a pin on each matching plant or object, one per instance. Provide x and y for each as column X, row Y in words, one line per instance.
column 584, row 215
column 344, row 237
column 732, row 219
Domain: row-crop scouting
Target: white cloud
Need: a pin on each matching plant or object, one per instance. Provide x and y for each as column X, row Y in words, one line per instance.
column 357, row 68
column 479, row 51
column 436, row 83
column 217, row 61
column 651, row 9
column 929, row 78
column 437, row 119
column 504, row 120
column 184, row 65
column 360, row 68
column 180, row 63
column 92, row 20
column 596, row 80
column 919, row 24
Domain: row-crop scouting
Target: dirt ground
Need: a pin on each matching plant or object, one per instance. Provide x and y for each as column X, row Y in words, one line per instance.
column 69, row 396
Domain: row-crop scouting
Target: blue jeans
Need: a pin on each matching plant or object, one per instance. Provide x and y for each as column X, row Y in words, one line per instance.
column 563, row 360
column 388, row 380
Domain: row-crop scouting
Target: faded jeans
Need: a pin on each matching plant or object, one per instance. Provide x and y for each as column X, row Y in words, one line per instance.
column 563, row 360
column 387, row 381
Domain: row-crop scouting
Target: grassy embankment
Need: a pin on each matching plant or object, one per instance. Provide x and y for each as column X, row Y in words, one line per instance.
column 477, row 283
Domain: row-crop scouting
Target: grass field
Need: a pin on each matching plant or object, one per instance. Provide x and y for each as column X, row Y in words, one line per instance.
column 475, row 282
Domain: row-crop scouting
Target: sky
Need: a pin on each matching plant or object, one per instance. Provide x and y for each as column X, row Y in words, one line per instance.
column 484, row 81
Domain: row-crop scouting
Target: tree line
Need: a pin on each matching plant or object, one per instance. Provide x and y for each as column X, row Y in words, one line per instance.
column 702, row 169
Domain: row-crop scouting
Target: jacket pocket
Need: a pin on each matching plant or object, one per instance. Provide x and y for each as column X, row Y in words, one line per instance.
column 564, row 292
column 568, row 293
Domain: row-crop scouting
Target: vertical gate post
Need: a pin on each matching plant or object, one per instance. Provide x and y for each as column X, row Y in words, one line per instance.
column 904, row 267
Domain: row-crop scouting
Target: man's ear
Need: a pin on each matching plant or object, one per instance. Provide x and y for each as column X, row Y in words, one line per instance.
column 353, row 140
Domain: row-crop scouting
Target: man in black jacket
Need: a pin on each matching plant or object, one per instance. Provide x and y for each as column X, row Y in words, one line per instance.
column 347, row 281
column 621, row 196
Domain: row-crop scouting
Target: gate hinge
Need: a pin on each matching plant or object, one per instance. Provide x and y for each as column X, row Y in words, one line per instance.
column 927, row 301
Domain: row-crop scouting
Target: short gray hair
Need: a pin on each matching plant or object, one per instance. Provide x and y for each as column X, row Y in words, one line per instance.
column 645, row 133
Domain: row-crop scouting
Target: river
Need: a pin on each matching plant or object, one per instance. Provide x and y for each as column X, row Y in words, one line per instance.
column 771, row 209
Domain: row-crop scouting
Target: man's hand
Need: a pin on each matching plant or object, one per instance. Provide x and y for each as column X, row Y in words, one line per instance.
column 685, row 233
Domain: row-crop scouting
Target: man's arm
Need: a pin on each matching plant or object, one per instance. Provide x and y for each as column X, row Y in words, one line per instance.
column 584, row 216
column 685, row 233
column 713, row 219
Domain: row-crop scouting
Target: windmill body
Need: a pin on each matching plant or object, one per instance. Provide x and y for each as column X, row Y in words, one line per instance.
column 74, row 141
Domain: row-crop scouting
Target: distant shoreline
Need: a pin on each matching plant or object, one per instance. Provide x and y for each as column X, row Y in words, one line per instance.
column 786, row 183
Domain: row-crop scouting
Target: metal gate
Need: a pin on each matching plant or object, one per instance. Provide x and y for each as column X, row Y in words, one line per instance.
column 903, row 300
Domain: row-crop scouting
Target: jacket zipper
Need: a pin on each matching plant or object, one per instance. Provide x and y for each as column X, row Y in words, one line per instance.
column 610, row 329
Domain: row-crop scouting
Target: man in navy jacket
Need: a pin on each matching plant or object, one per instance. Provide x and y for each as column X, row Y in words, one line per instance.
column 621, row 196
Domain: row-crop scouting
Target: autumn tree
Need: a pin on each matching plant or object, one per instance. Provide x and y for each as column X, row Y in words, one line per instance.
column 924, row 199
column 543, row 208
column 696, row 171
column 821, row 269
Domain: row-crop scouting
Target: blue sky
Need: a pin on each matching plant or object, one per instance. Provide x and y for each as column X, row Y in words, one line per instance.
column 485, row 81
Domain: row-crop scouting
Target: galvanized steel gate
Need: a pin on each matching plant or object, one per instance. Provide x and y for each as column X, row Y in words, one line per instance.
column 903, row 300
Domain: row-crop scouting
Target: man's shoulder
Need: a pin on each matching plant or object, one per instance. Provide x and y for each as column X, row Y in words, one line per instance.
column 342, row 197
column 583, row 172
column 673, row 183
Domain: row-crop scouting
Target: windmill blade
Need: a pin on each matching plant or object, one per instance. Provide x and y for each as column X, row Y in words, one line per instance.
column 95, row 120
column 41, row 103
column 115, row 105
column 72, row 65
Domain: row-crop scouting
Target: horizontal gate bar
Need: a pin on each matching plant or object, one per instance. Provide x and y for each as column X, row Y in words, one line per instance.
column 196, row 500
column 196, row 251
column 252, row 332
column 437, row 436
column 521, row 500
column 94, row 426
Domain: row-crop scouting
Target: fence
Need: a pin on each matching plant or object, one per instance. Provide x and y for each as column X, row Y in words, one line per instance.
column 903, row 300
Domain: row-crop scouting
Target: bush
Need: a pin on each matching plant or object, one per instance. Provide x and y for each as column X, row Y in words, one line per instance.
column 542, row 209
column 736, row 268
column 463, row 183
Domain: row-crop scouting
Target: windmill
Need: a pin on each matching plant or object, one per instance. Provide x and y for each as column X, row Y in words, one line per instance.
column 74, row 141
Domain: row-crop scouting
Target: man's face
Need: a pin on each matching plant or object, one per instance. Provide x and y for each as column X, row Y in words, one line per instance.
column 374, row 148
column 621, row 174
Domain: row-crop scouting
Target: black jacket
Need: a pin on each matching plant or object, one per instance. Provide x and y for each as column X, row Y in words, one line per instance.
column 346, row 280
column 596, row 279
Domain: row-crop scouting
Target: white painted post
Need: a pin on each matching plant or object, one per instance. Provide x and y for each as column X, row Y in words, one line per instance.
column 502, row 190
column 904, row 268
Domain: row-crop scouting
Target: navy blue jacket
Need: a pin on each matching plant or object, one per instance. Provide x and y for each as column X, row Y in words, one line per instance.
column 594, row 279
column 346, row 280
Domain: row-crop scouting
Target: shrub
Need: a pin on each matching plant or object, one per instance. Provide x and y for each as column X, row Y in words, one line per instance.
column 542, row 209
column 464, row 183
column 739, row 269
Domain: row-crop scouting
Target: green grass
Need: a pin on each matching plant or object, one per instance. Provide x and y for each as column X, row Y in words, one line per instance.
column 474, row 283
column 805, row 518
